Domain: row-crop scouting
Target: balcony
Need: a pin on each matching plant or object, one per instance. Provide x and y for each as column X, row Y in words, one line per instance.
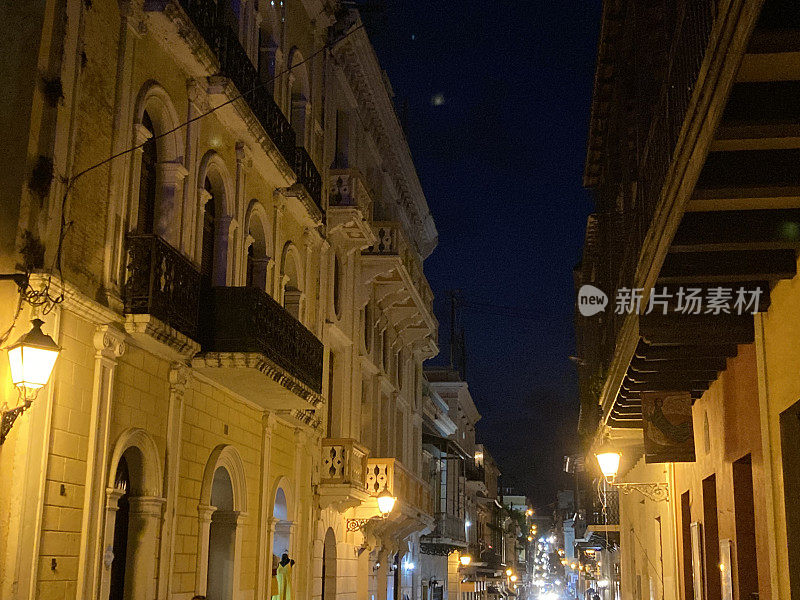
column 349, row 209
column 254, row 347
column 161, row 295
column 394, row 265
column 308, row 176
column 343, row 482
column 208, row 18
column 448, row 534
column 412, row 493
column 598, row 519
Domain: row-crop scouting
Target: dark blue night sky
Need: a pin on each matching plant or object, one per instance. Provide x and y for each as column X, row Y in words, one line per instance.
column 501, row 161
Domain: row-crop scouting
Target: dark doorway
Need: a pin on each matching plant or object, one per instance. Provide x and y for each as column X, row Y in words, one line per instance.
column 711, row 539
column 207, row 255
column 686, row 545
column 790, row 433
column 122, row 480
column 147, row 181
column 744, row 512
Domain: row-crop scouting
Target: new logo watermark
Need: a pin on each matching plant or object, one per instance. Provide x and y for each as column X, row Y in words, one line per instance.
column 710, row 300
column 591, row 300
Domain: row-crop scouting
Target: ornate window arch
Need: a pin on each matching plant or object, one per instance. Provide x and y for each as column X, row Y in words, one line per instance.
column 216, row 225
column 292, row 280
column 258, row 246
column 153, row 202
column 299, row 97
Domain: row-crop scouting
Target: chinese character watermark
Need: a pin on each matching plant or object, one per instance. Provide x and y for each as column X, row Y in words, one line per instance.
column 716, row 300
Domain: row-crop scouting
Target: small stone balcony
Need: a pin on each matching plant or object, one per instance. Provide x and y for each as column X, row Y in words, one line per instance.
column 343, row 474
column 414, row 507
column 349, row 209
column 402, row 289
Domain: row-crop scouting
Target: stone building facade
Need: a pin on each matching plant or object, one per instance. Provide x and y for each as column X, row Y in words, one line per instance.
column 218, row 220
column 692, row 160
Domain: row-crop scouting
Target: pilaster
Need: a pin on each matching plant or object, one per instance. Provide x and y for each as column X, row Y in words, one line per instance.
column 266, row 525
column 109, row 344
column 179, row 378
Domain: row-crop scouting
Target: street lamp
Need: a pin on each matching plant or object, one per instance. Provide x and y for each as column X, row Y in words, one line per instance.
column 465, row 559
column 31, row 360
column 385, row 505
column 513, row 578
column 508, row 572
column 609, row 466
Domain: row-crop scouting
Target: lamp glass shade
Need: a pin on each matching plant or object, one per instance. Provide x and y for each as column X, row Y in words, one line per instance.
column 465, row 559
column 508, row 572
column 32, row 358
column 386, row 502
column 513, row 578
column 609, row 463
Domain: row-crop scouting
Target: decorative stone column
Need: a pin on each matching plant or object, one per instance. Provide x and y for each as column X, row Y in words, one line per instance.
column 112, row 506
column 179, row 377
column 144, row 521
column 204, row 512
column 168, row 217
column 266, row 525
column 109, row 345
column 280, row 207
column 271, row 524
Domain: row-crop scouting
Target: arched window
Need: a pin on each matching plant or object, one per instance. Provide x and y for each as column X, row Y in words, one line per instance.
column 147, row 180
column 368, row 328
column 337, row 284
column 299, row 95
column 221, row 538
column 398, row 369
column 292, row 291
column 283, row 526
column 209, row 233
column 385, row 350
column 258, row 260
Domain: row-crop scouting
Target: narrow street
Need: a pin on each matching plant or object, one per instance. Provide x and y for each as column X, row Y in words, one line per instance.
column 396, row 300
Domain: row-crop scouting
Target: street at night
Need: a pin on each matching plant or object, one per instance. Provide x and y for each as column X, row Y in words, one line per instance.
column 396, row 300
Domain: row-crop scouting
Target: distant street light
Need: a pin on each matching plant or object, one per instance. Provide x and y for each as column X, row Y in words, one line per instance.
column 465, row 559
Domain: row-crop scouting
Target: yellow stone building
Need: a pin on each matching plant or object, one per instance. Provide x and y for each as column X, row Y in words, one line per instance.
column 218, row 220
column 692, row 159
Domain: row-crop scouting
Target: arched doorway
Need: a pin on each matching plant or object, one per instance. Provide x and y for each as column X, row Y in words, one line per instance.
column 329, row 566
column 281, row 542
column 221, row 538
column 257, row 272
column 209, row 235
column 291, row 275
column 122, row 483
column 133, row 514
column 145, row 221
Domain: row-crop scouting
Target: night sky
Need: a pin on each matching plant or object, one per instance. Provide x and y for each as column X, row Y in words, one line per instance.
column 498, row 97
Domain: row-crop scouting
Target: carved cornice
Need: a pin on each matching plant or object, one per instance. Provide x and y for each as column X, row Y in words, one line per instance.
column 355, row 57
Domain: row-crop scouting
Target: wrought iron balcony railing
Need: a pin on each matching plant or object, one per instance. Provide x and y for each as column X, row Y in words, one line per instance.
column 620, row 233
column 163, row 283
column 450, row 527
column 247, row 319
column 207, row 15
column 344, row 462
column 308, row 175
column 610, row 516
column 390, row 474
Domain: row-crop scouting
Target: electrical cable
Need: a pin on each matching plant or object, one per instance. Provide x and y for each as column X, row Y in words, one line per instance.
column 42, row 297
